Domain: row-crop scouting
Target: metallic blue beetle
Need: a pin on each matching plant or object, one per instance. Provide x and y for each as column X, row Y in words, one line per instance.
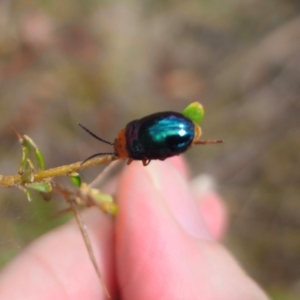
column 157, row 136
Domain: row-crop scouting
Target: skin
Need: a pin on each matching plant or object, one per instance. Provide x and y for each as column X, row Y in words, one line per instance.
column 162, row 245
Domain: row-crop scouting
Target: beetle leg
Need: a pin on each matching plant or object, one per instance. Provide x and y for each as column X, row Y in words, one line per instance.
column 146, row 162
column 129, row 161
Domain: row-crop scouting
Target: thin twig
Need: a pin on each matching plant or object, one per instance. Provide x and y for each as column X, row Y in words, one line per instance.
column 208, row 142
column 88, row 245
column 98, row 180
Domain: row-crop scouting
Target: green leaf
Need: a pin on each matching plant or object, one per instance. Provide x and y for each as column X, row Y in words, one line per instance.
column 194, row 112
column 44, row 187
column 28, row 172
column 75, row 178
column 26, row 192
column 40, row 159
column 23, row 163
column 38, row 155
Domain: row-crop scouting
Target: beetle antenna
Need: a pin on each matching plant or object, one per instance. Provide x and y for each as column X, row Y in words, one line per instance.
column 97, row 154
column 207, row 142
column 94, row 135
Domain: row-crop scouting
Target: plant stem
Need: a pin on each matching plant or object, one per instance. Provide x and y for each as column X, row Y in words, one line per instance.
column 10, row 181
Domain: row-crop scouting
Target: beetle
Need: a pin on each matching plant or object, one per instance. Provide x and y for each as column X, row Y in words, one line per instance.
column 156, row 136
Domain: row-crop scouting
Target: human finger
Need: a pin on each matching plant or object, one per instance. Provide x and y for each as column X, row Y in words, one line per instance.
column 164, row 249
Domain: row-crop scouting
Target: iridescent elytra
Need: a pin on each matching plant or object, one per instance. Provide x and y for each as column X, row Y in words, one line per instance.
column 156, row 136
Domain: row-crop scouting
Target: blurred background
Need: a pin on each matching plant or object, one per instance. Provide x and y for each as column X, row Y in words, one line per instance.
column 105, row 63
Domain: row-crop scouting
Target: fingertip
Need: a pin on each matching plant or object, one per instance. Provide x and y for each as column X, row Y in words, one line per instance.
column 211, row 205
column 180, row 163
column 136, row 226
column 214, row 213
column 152, row 247
column 157, row 221
column 137, row 201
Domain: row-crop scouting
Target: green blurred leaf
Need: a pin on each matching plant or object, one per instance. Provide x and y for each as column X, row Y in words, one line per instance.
column 44, row 187
column 32, row 149
column 23, row 162
column 40, row 159
column 75, row 178
column 194, row 112
column 26, row 192
column 28, row 172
